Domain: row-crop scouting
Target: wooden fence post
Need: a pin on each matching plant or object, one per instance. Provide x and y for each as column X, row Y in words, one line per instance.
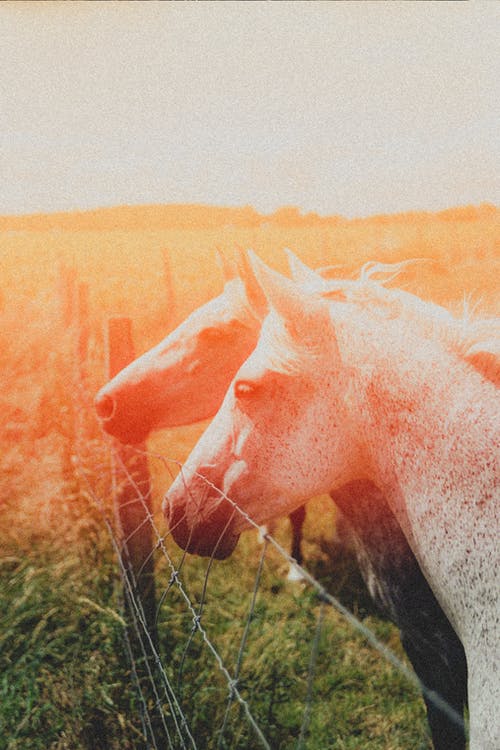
column 67, row 286
column 83, row 329
column 66, row 364
column 132, row 496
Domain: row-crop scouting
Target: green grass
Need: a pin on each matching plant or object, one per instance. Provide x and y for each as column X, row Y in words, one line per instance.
column 63, row 670
column 66, row 680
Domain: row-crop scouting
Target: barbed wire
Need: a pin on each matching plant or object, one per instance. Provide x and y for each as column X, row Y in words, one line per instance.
column 157, row 678
column 142, row 633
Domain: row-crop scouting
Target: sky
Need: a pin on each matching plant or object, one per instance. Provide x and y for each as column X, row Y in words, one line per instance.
column 340, row 108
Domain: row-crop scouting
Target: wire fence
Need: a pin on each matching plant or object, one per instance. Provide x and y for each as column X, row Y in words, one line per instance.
column 163, row 668
column 212, row 670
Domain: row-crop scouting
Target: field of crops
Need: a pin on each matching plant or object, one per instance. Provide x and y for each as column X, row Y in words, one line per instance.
column 66, row 679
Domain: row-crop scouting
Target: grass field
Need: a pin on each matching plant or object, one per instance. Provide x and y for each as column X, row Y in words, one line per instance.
column 66, row 680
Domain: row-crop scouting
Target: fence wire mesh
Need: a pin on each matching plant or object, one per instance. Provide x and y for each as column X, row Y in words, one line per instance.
column 211, row 643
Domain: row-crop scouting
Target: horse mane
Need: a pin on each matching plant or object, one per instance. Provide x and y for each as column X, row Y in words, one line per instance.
column 473, row 340
column 388, row 271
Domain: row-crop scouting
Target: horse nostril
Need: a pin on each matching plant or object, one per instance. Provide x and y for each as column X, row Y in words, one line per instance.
column 166, row 509
column 105, row 406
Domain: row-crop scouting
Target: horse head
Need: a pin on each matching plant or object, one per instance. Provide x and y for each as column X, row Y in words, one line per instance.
column 183, row 379
column 253, row 463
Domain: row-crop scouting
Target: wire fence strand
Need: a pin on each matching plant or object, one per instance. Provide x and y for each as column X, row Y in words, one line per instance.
column 173, row 719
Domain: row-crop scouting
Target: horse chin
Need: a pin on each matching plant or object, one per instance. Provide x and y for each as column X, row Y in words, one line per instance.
column 205, row 542
column 212, row 536
column 219, row 546
column 126, row 433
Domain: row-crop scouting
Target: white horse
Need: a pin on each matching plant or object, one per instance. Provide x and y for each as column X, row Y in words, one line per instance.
column 343, row 393
column 167, row 386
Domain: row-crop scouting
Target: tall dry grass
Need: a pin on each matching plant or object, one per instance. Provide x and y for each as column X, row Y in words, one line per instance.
column 66, row 682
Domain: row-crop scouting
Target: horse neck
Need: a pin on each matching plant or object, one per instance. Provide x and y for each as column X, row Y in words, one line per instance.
column 430, row 429
column 434, row 413
column 415, row 394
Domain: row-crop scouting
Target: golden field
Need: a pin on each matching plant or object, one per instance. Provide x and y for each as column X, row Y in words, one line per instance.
column 66, row 682
column 156, row 264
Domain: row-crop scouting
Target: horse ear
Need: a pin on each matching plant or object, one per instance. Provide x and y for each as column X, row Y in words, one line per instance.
column 306, row 317
column 279, row 291
column 301, row 273
column 253, row 290
column 227, row 266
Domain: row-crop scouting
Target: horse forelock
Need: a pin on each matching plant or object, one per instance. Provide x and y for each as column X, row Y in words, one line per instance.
column 283, row 352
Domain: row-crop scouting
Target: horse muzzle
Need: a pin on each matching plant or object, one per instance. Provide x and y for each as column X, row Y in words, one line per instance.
column 128, row 426
column 200, row 520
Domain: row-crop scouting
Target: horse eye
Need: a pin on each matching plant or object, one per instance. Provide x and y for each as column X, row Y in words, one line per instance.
column 244, row 388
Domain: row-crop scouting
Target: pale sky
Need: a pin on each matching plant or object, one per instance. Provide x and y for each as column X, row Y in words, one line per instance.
column 340, row 108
